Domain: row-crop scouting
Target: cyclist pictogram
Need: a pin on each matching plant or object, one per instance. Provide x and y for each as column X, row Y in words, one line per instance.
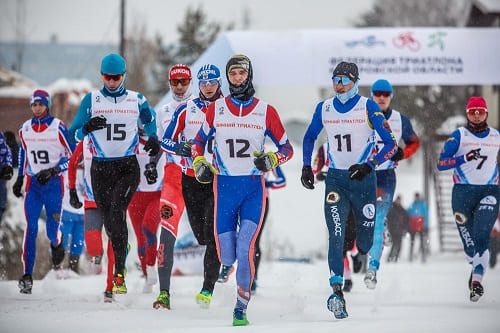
column 406, row 39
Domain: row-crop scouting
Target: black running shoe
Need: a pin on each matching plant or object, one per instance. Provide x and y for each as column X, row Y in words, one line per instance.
column 347, row 285
column 476, row 291
column 57, row 254
column 25, row 284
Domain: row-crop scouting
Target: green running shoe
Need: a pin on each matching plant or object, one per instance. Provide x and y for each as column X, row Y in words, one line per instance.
column 119, row 286
column 240, row 317
column 204, row 298
column 162, row 301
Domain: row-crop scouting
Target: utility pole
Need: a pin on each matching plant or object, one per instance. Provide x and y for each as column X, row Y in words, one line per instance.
column 122, row 28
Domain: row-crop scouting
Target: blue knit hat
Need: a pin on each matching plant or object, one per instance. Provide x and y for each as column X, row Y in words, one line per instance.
column 40, row 96
column 382, row 85
column 113, row 64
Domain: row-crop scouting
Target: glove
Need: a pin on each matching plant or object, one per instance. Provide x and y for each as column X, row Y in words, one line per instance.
column 6, row 172
column 321, row 176
column 203, row 171
column 16, row 188
column 359, row 171
column 151, row 173
column 473, row 155
column 43, row 177
column 184, row 149
column 152, row 146
column 265, row 161
column 398, row 156
column 73, row 199
column 307, row 177
column 95, row 123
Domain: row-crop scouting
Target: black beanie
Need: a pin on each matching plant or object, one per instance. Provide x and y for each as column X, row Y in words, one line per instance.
column 348, row 69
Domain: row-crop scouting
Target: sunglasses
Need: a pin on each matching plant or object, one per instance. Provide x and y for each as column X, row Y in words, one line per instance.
column 175, row 82
column 381, row 93
column 208, row 82
column 343, row 79
column 476, row 112
column 114, row 77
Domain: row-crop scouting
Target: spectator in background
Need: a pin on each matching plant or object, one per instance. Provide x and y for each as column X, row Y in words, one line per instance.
column 10, row 139
column 419, row 224
column 397, row 222
column 6, row 172
column 495, row 243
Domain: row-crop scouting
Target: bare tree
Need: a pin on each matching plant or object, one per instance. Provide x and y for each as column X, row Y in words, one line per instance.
column 196, row 35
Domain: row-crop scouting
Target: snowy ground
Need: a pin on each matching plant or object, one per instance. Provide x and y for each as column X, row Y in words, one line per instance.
column 410, row 297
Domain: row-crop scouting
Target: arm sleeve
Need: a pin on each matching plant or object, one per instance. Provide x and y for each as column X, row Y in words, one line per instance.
column 205, row 132
column 147, row 116
column 81, row 118
column 447, row 159
column 21, row 155
column 169, row 142
column 412, row 143
column 279, row 181
column 73, row 163
column 311, row 135
column 276, row 132
column 381, row 126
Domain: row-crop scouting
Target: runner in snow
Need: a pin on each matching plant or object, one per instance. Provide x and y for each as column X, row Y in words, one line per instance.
column 350, row 122
column 240, row 123
column 472, row 151
column 171, row 201
column 144, row 212
column 382, row 94
column 43, row 155
column 72, row 222
column 110, row 117
column 93, row 220
column 198, row 197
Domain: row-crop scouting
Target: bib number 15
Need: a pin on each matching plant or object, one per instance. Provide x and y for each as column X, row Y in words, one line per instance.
column 114, row 132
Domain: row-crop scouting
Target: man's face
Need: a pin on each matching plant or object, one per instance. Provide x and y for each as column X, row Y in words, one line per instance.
column 38, row 109
column 112, row 81
column 383, row 99
column 180, row 86
column 237, row 76
column 209, row 88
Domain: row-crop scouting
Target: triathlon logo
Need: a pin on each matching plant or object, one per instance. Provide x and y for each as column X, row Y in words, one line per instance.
column 460, row 218
column 369, row 211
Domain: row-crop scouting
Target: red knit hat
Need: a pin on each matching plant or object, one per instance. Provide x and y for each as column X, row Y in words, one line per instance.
column 179, row 71
column 476, row 102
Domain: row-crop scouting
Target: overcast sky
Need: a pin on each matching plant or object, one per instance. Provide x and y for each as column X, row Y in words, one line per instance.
column 97, row 21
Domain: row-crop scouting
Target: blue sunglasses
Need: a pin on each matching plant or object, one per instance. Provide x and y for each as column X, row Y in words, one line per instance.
column 209, row 82
column 345, row 80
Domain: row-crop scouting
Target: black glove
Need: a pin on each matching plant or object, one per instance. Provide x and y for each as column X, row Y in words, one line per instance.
column 18, row 185
column 473, row 154
column 184, row 149
column 95, row 123
column 73, row 199
column 44, row 176
column 152, row 146
column 265, row 161
column 151, row 173
column 6, row 172
column 359, row 171
column 321, row 176
column 307, row 177
column 398, row 156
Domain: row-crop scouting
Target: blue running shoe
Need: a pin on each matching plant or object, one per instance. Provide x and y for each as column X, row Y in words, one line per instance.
column 240, row 317
column 336, row 302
